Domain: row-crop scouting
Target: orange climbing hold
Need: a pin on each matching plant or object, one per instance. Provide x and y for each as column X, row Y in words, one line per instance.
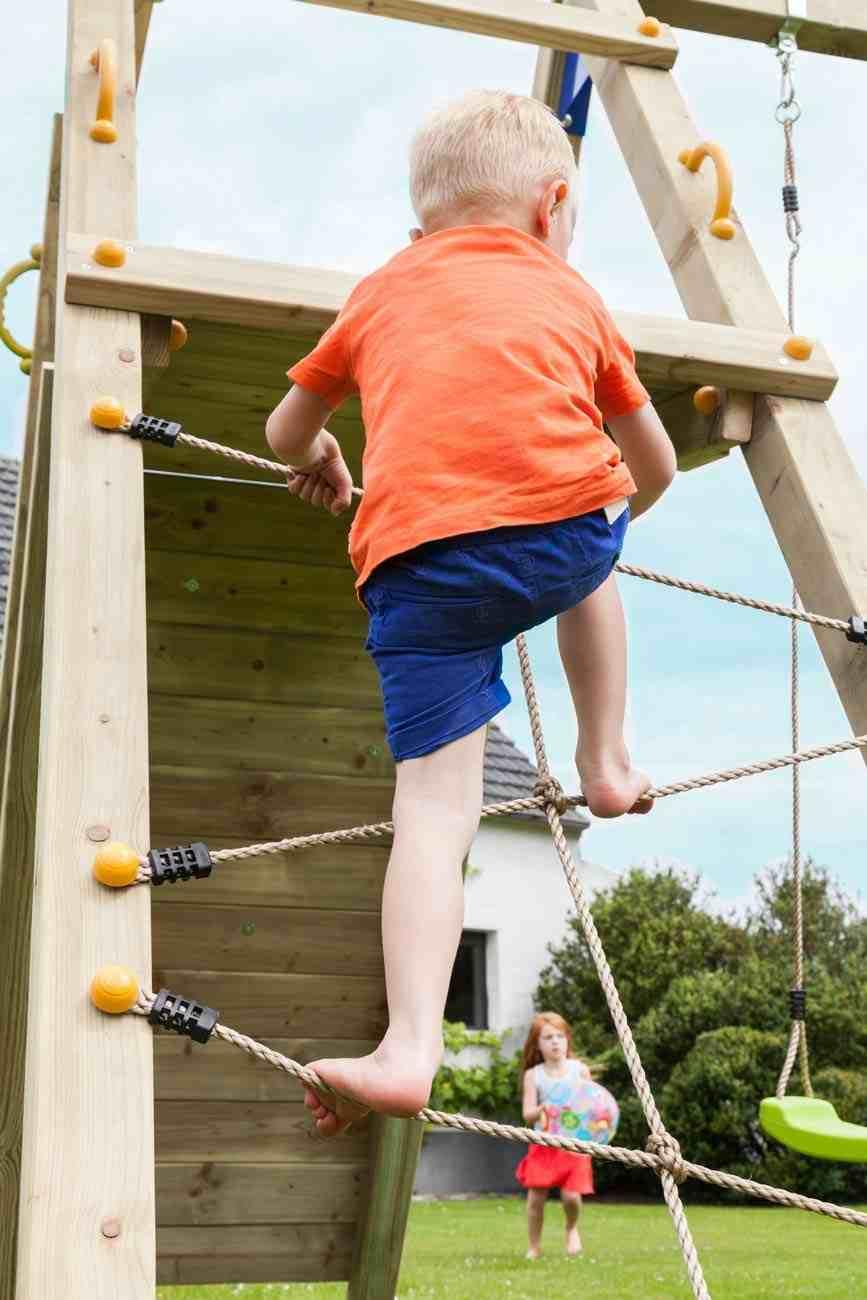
column 706, row 400
column 650, row 27
column 116, row 865
column 107, row 413
column 177, row 336
column 798, row 348
column 109, row 252
column 114, row 989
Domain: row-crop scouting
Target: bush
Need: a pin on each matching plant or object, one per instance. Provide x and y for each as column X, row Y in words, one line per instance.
column 491, row 1091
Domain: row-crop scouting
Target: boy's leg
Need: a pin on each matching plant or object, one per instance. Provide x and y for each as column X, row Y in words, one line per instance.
column 536, row 1197
column 571, row 1209
column 437, row 802
column 592, row 640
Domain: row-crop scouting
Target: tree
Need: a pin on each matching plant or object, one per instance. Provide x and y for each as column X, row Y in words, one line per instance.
column 653, row 929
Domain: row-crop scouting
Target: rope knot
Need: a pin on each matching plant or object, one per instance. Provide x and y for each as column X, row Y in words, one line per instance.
column 667, row 1150
column 550, row 789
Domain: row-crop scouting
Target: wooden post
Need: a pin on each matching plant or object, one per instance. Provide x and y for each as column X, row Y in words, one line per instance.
column 87, row 1192
column 814, row 499
column 394, row 1150
column 19, row 730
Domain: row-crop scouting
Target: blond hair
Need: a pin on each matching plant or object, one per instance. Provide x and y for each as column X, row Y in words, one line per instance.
column 488, row 149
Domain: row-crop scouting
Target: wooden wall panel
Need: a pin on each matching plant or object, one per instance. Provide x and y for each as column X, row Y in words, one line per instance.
column 246, row 1133
column 254, row 1253
column 280, row 940
column 216, row 1071
column 254, row 1194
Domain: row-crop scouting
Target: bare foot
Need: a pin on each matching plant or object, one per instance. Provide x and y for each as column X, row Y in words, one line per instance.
column 533, row 1253
column 388, row 1081
column 612, row 786
column 573, row 1243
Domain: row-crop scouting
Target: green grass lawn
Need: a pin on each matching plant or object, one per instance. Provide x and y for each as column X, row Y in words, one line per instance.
column 474, row 1250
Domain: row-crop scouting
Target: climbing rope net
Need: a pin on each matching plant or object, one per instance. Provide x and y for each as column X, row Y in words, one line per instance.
column 662, row 1154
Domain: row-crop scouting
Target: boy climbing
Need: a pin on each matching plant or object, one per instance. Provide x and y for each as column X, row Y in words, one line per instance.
column 493, row 501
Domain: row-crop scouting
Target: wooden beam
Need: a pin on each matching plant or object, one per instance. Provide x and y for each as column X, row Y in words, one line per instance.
column 394, row 1150
column 271, row 296
column 87, row 1232
column 143, row 11
column 833, row 26
column 531, row 22
column 812, row 494
column 20, row 684
column 700, row 439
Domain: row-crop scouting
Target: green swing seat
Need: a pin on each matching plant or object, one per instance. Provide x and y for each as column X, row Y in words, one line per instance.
column 814, row 1128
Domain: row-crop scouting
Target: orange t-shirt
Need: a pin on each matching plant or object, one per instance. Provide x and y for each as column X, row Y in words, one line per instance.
column 486, row 366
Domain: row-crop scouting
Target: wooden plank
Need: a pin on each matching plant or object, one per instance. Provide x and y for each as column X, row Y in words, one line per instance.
column 833, row 26
column 529, row 22
column 808, row 484
column 274, row 297
column 260, row 1253
column 247, row 737
column 211, row 1193
column 274, row 1006
column 19, row 726
column 279, row 939
column 216, row 1071
column 22, row 679
column 257, row 1132
column 88, row 1137
column 394, row 1152
column 222, row 591
column 263, row 805
column 187, row 514
column 347, row 876
column 246, row 664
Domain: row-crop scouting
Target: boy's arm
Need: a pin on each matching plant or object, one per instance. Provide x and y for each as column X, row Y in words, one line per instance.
column 648, row 452
column 295, row 433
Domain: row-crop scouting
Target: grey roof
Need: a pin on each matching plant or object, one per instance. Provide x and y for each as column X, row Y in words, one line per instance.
column 509, row 774
column 9, row 470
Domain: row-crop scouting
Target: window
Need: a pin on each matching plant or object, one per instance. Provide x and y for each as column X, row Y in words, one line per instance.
column 468, row 991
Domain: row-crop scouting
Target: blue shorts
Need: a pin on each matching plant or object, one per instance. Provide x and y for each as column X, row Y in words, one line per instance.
column 441, row 614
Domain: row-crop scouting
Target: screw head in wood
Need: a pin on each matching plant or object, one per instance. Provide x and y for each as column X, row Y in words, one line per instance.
column 110, row 1228
column 116, row 865
column 114, row 989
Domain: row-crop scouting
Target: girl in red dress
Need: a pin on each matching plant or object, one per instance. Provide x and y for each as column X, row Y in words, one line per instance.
column 552, row 1077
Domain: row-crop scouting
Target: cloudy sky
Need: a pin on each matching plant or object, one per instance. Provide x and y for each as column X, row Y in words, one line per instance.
column 279, row 131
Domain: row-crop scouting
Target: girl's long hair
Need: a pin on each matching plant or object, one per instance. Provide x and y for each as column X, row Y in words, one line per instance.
column 531, row 1055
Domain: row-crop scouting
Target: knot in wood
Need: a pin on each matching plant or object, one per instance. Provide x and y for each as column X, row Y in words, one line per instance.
column 550, row 789
column 667, row 1150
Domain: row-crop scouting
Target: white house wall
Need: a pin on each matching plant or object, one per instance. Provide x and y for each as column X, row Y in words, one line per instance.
column 517, row 894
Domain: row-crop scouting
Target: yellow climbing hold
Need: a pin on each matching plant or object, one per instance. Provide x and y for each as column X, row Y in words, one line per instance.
column 109, row 252
column 723, row 228
column 107, row 413
column 116, row 864
column 114, row 989
column 177, row 336
column 706, row 400
column 798, row 348
column 650, row 27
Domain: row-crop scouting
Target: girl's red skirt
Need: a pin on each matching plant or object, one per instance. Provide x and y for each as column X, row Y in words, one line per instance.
column 548, row 1167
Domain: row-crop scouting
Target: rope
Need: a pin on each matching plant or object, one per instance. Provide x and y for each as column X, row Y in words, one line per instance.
column 490, row 1128
column 662, row 1145
column 787, row 114
column 766, row 606
column 531, row 803
column 681, row 584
